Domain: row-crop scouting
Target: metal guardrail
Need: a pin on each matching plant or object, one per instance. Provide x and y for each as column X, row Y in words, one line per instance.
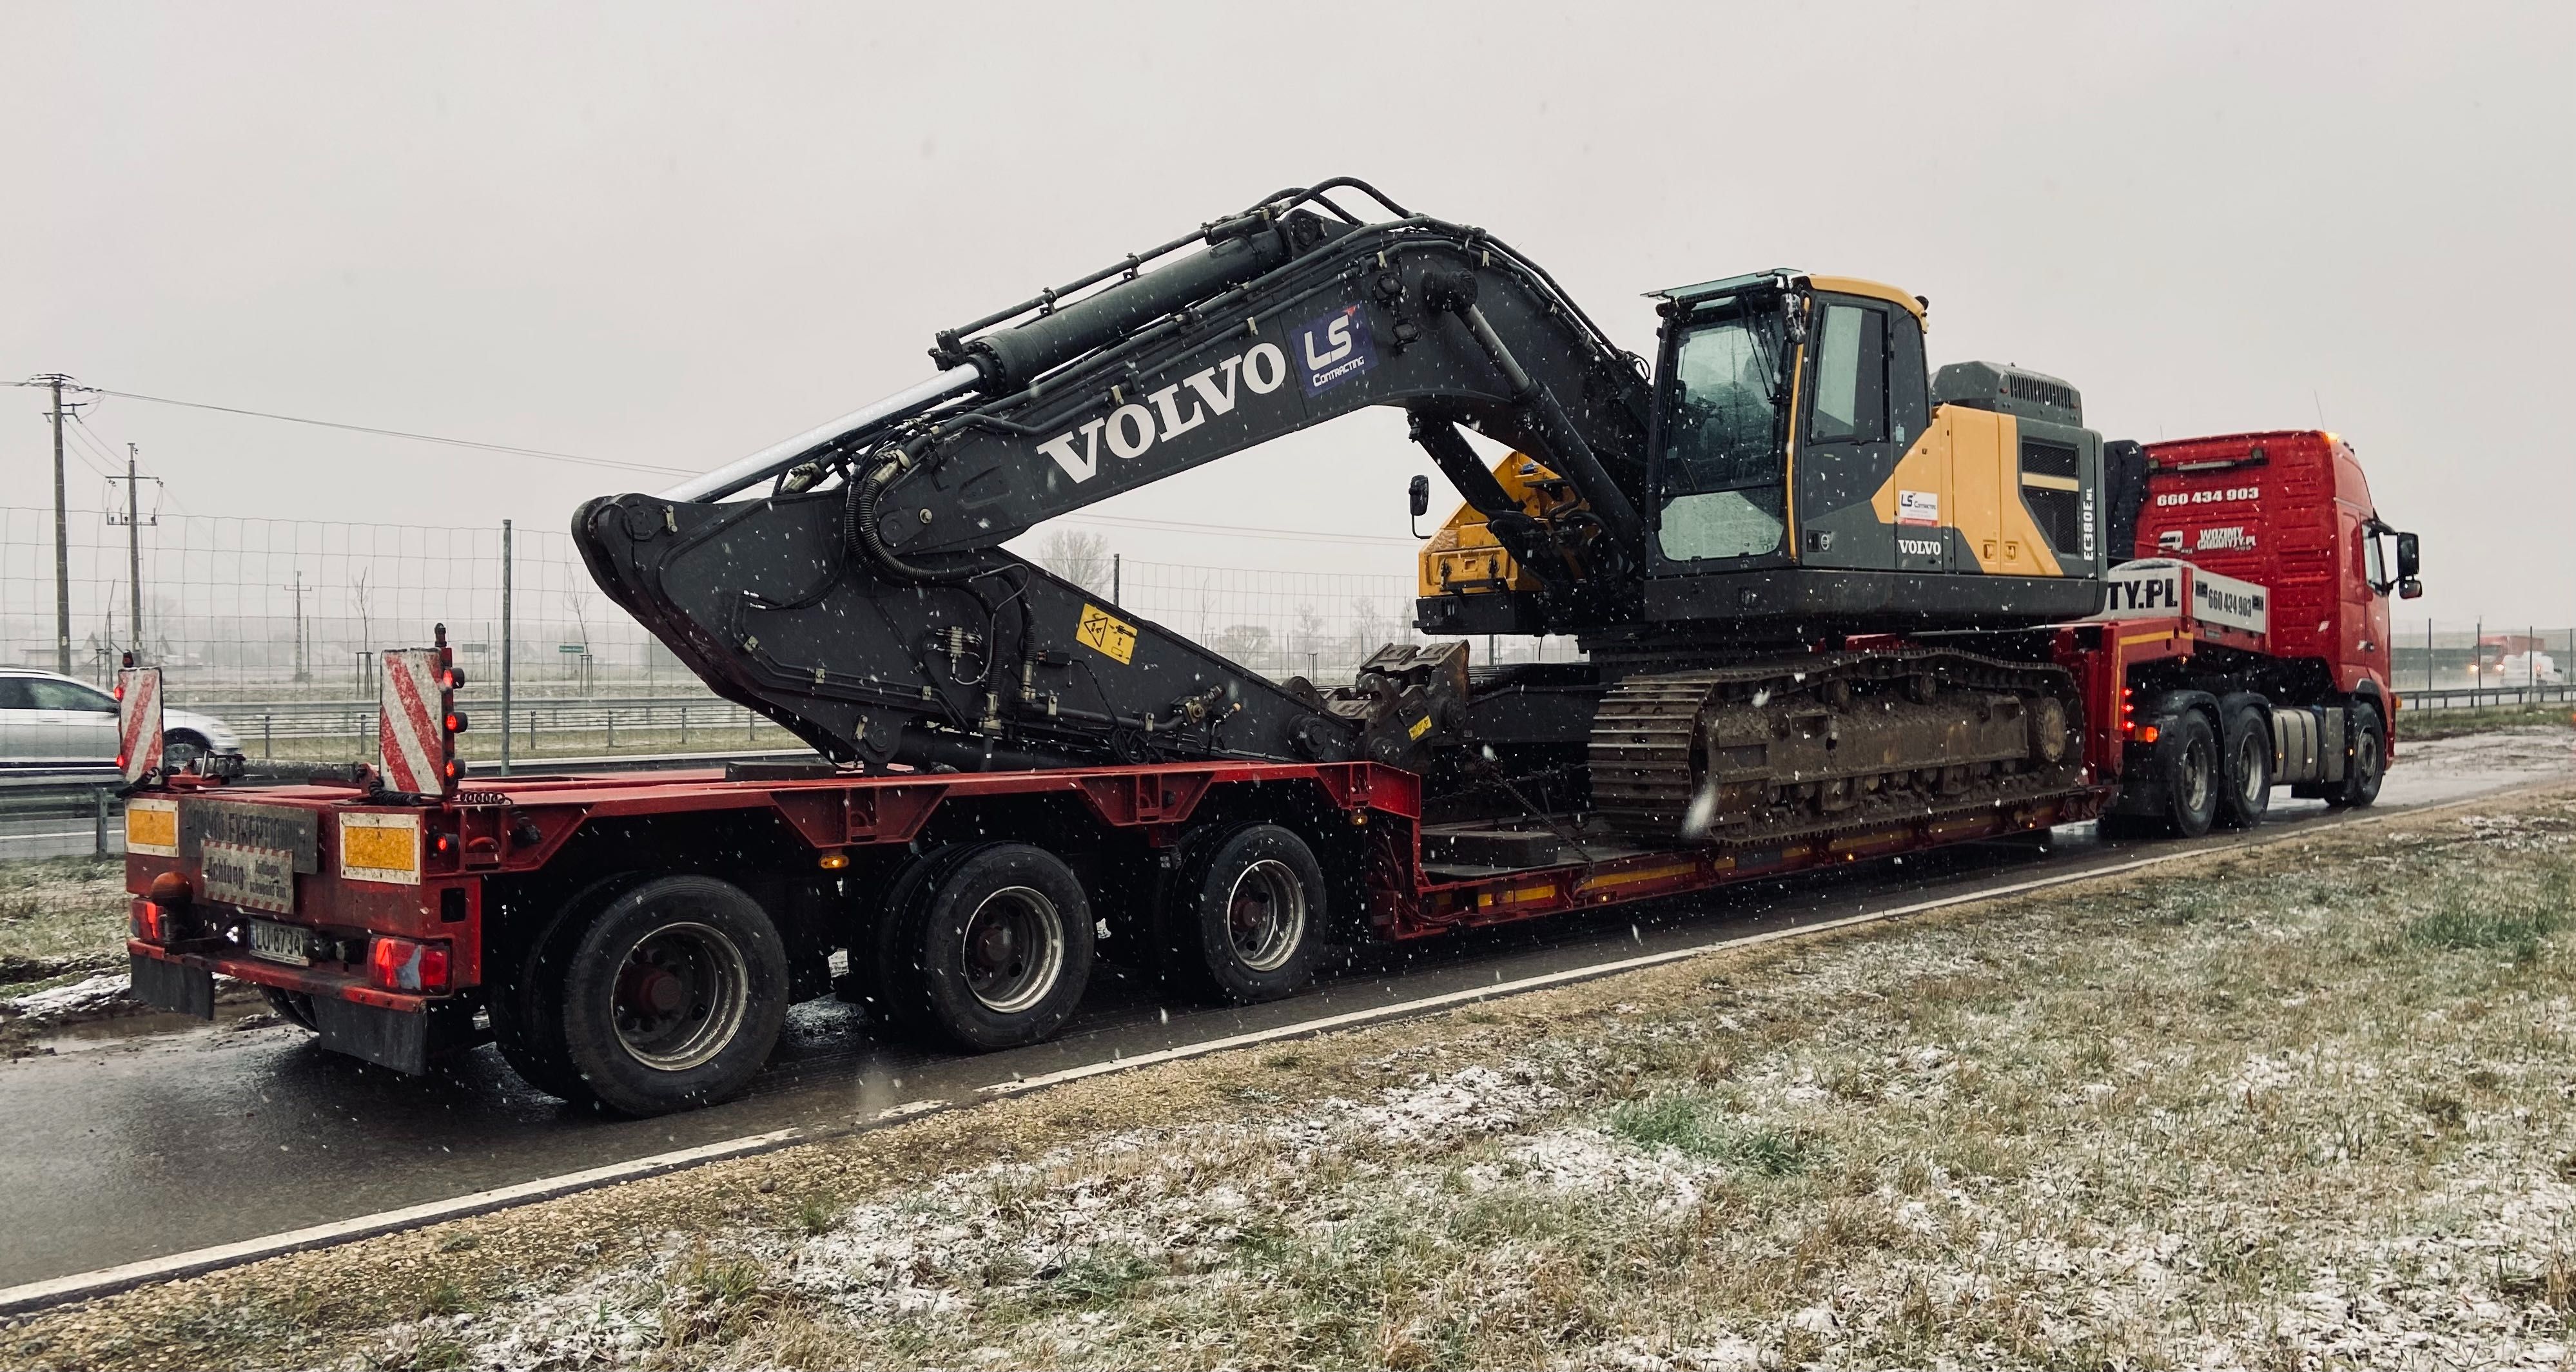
column 2480, row 697
column 63, row 796
column 260, row 724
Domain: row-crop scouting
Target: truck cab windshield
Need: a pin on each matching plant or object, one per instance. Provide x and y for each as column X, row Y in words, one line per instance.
column 1720, row 477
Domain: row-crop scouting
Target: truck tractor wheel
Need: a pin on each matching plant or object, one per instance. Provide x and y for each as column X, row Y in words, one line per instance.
column 294, row 1007
column 2245, row 792
column 1247, row 914
column 2363, row 771
column 671, row 996
column 2188, row 757
column 993, row 950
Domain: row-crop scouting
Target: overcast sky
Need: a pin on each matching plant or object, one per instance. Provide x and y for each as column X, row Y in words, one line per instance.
column 669, row 235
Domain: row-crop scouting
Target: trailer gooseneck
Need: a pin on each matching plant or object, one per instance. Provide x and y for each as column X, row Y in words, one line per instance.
column 1835, row 605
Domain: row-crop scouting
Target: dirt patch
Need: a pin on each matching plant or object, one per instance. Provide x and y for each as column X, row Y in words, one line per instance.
column 60, row 917
column 2306, row 1105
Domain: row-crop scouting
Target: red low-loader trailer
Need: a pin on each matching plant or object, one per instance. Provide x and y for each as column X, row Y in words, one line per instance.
column 633, row 940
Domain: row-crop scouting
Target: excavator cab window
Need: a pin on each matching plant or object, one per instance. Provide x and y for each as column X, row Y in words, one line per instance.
column 1720, row 475
column 1851, row 376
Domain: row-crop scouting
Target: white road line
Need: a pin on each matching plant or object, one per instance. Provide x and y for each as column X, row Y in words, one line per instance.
column 82, row 1286
column 109, row 1280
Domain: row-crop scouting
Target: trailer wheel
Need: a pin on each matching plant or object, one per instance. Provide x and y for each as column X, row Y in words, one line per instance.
column 1247, row 915
column 294, row 1007
column 992, row 949
column 672, row 996
column 2245, row 794
column 2367, row 766
column 526, row 1001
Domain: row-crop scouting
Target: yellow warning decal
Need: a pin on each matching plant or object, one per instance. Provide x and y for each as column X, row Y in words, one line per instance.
column 1420, row 727
column 1106, row 633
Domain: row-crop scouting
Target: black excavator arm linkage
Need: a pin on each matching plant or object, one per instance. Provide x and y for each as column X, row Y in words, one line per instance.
column 865, row 601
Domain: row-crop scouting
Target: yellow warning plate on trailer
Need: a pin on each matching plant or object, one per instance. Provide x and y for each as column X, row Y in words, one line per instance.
column 1107, row 634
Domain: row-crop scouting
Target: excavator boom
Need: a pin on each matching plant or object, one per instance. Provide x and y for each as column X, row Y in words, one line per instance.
column 864, row 601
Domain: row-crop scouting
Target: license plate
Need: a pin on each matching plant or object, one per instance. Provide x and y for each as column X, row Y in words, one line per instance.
column 279, row 942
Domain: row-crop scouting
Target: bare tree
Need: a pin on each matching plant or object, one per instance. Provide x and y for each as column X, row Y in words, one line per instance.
column 1079, row 557
column 361, row 597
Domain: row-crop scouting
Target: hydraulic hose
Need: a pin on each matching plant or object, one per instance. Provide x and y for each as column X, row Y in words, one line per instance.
column 859, row 530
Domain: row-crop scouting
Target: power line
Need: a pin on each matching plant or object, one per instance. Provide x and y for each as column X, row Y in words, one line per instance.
column 506, row 448
column 1117, row 521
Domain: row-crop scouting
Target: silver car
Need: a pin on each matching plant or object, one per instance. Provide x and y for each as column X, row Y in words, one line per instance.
column 49, row 720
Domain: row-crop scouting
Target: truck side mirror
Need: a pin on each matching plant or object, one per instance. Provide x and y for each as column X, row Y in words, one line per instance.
column 1418, row 496
column 2408, row 588
column 2410, row 560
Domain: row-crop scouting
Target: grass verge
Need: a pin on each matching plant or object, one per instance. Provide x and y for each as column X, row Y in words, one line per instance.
column 2308, row 1105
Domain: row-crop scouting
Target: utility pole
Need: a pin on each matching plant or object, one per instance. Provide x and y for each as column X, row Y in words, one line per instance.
column 134, row 546
column 506, row 562
column 301, row 673
column 62, row 535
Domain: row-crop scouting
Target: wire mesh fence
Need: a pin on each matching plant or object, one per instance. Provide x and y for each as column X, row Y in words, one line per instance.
column 282, row 618
column 278, row 620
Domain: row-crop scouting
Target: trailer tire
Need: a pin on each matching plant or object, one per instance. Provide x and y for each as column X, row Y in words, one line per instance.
column 525, row 1004
column 1247, row 914
column 991, row 949
column 672, row 995
column 2366, row 768
column 2245, row 792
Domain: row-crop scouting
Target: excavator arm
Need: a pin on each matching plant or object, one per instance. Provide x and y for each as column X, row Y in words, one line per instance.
column 859, row 595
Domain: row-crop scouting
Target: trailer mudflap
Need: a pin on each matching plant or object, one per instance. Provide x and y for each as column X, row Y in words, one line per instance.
column 398, row 1039
column 174, row 986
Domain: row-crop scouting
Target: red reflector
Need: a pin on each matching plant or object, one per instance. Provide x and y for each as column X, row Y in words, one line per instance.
column 399, row 964
column 2149, row 734
column 151, row 923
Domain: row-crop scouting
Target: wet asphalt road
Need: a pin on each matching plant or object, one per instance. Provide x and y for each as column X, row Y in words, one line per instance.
column 121, row 1148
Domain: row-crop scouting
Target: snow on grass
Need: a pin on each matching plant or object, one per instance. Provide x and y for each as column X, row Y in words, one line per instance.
column 80, row 997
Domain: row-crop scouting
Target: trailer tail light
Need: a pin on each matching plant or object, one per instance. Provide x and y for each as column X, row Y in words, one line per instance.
column 150, row 921
column 401, row 964
column 2150, row 734
column 2129, row 711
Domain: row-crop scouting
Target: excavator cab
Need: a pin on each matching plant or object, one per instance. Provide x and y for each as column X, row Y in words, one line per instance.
column 1804, row 466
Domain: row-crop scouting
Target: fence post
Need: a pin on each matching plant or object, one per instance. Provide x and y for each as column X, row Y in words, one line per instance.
column 1117, row 570
column 98, row 802
column 506, row 561
column 267, row 735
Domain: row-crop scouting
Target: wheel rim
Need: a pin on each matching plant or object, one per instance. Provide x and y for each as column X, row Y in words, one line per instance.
column 2250, row 770
column 1012, row 949
column 2366, row 759
column 1265, row 915
column 680, row 996
column 2195, row 778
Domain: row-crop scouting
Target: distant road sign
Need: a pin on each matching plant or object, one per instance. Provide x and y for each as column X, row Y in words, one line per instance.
column 572, row 647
